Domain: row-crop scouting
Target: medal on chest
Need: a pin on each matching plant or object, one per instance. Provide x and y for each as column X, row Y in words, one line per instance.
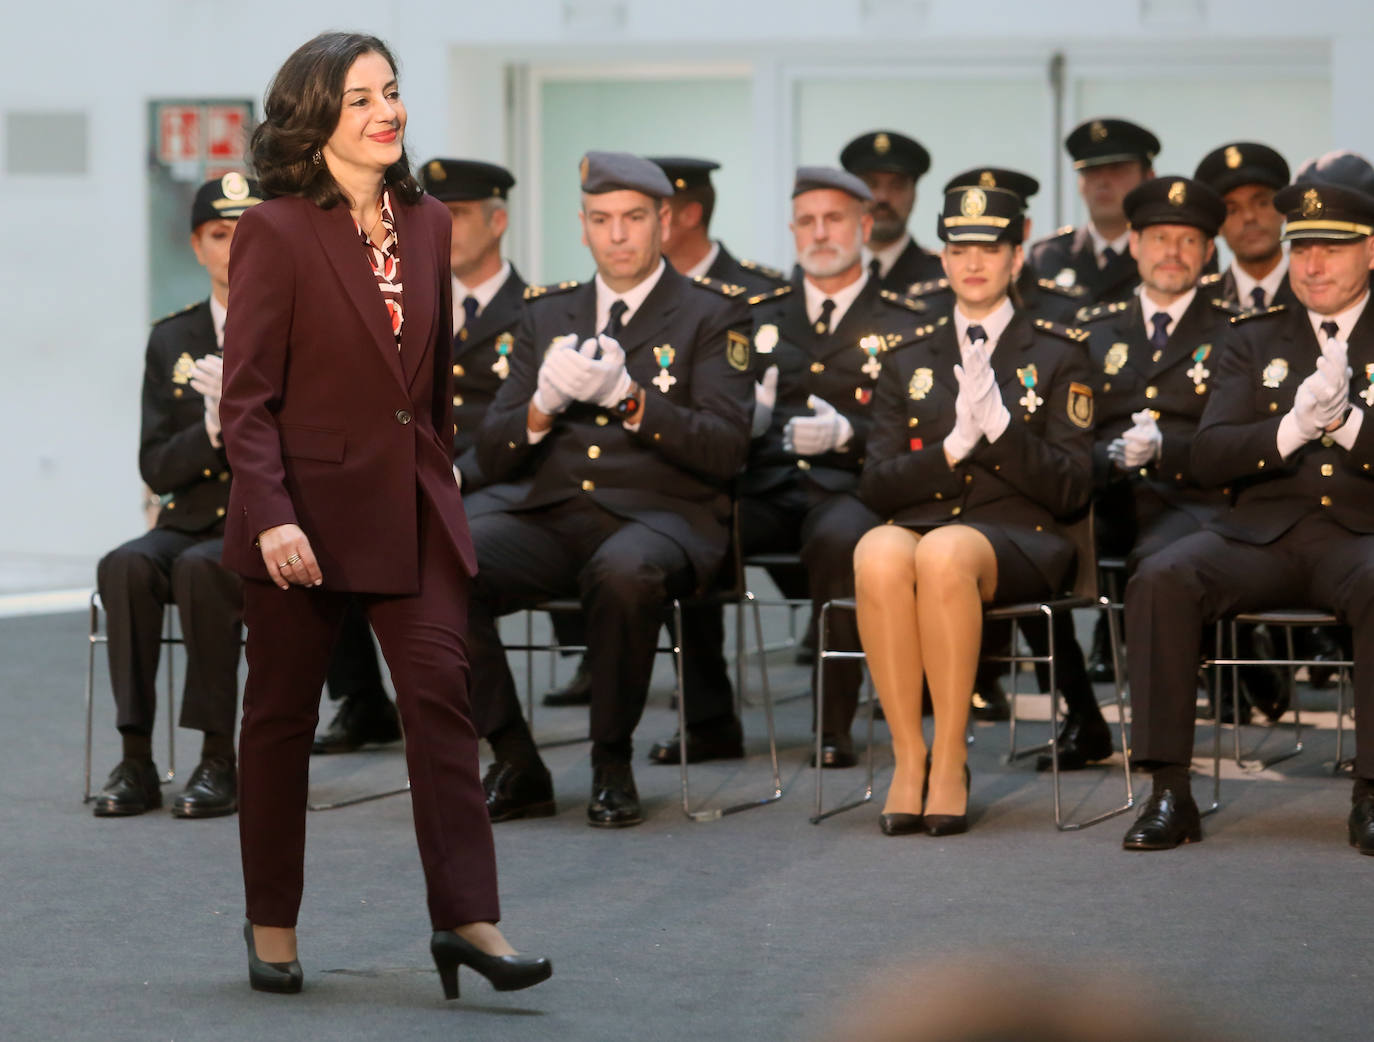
column 871, row 345
column 922, row 380
column 1030, row 401
column 1199, row 372
column 1368, row 393
column 664, row 356
column 501, row 367
column 1116, row 358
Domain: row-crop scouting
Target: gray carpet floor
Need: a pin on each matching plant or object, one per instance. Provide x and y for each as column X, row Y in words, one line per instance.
column 757, row 926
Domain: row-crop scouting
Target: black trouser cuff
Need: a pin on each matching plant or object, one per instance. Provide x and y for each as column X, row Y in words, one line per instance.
column 137, row 744
column 514, row 744
column 1171, row 776
column 217, row 746
column 606, row 754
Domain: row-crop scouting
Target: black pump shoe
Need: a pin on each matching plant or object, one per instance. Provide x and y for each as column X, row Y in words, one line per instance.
column 285, row 978
column 949, row 824
column 505, row 972
column 901, row 824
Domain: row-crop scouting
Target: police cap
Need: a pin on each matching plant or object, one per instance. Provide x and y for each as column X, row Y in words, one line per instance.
column 974, row 214
column 1174, row 200
column 1101, row 141
column 1242, row 163
column 224, row 198
column 885, row 150
column 1331, row 197
column 686, row 172
column 1021, row 184
column 463, row 180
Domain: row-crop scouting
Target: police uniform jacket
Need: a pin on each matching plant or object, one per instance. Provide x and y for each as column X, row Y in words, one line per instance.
column 1040, row 298
column 1129, row 375
column 175, row 456
column 481, row 363
column 687, row 346
column 1067, row 257
column 913, row 264
column 1038, row 472
column 329, row 425
column 841, row 367
column 1224, row 286
column 754, row 277
column 1268, row 354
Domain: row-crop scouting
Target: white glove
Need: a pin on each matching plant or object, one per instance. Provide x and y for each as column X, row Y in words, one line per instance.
column 966, row 433
column 1335, row 374
column 208, row 381
column 549, row 397
column 1116, row 452
column 765, row 397
column 988, row 410
column 584, row 377
column 1309, row 407
column 1142, row 443
column 826, row 431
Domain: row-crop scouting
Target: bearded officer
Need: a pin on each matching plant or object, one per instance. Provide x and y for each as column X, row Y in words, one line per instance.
column 890, row 164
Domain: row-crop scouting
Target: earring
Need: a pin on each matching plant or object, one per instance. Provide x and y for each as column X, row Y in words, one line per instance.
column 316, row 158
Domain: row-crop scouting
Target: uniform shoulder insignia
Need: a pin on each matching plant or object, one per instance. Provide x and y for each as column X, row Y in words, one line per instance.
column 1230, row 307
column 1068, row 229
column 533, row 292
column 1072, row 292
column 1099, row 311
column 762, row 269
column 772, row 294
column 921, row 332
column 910, row 303
column 926, row 288
column 725, row 289
column 1246, row 316
column 1210, row 280
column 1070, row 333
column 179, row 311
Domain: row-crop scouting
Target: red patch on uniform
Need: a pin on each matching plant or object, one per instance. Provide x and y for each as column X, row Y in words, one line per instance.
column 917, row 445
column 863, row 395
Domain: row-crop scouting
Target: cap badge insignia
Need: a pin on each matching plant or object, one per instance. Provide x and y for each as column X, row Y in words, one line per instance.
column 987, row 180
column 504, row 343
column 1116, row 358
column 436, row 170
column 664, row 356
column 1275, row 372
column 766, row 339
column 922, row 380
column 184, row 369
column 1028, row 376
column 583, row 169
column 974, row 203
column 882, row 144
column 1233, row 157
column 1097, row 131
column 234, row 186
column 1311, row 203
column 1178, row 193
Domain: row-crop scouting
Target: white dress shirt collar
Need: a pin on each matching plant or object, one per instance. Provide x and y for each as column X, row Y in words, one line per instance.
column 1122, row 243
column 483, row 292
column 1245, row 285
column 633, row 298
column 815, row 297
column 887, row 256
column 218, row 312
column 701, row 267
column 1345, row 321
column 1148, row 310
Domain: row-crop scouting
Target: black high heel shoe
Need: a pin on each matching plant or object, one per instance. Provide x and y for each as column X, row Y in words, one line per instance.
column 906, row 824
column 950, row 824
column 505, row 972
column 284, row 978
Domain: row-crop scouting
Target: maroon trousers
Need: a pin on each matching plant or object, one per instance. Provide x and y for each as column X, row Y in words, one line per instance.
column 423, row 638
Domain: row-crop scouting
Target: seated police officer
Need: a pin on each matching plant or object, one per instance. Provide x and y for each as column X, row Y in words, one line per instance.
column 1246, row 175
column 629, row 401
column 798, row 491
column 182, row 459
column 890, row 164
column 1284, row 430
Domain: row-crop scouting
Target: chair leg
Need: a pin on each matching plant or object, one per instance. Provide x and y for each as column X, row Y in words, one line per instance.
column 823, row 653
column 1216, row 724
column 92, row 640
column 169, row 641
column 1259, row 763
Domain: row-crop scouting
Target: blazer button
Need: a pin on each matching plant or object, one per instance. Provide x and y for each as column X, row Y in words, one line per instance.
column 1327, row 470
column 957, row 511
column 206, row 472
column 457, row 399
column 602, row 419
column 402, row 417
column 803, row 464
column 587, row 486
column 458, row 370
column 1326, row 501
column 219, row 511
column 594, row 452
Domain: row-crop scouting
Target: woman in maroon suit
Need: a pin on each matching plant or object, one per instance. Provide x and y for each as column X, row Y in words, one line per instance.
column 337, row 420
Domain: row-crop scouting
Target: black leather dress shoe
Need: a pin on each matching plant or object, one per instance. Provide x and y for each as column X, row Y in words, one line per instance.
column 1167, row 820
column 1265, row 688
column 723, row 740
column 518, row 792
column 989, row 703
column 360, row 721
column 615, row 800
column 212, row 791
column 1084, row 738
column 837, row 750
column 577, row 692
column 1361, row 824
column 133, row 787
column 1318, row 643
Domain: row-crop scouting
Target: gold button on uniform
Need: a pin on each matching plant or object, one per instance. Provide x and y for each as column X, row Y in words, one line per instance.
column 817, row 367
column 658, row 436
column 912, row 422
column 224, row 475
column 587, row 486
column 171, row 504
column 457, row 370
column 803, row 465
column 602, row 419
column 1152, row 392
column 510, row 444
column 1260, row 464
column 1326, row 501
column 1327, row 470
column 219, row 511
column 594, row 452
column 1273, row 406
column 939, row 495
column 457, row 399
column 956, row 511
column 206, row 472
column 1327, row 441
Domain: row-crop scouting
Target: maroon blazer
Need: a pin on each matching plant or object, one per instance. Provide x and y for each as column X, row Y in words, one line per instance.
column 326, row 424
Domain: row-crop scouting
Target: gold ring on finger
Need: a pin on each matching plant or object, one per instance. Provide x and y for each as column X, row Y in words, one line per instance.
column 294, row 559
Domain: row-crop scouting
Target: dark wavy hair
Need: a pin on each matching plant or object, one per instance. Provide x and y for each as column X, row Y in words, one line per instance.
column 301, row 110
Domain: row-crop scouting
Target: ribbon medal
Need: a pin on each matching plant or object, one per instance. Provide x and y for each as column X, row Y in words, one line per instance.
column 871, row 345
column 501, row 367
column 1368, row 393
column 1030, row 400
column 664, row 380
column 1199, row 372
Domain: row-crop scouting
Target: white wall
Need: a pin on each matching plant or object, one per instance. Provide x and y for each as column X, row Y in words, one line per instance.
column 73, row 326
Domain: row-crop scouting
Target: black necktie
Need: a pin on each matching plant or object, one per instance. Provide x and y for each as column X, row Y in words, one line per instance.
column 613, row 324
column 875, row 268
column 976, row 333
column 1330, row 329
column 823, row 323
column 1257, row 295
column 1108, row 255
column 470, row 307
column 1159, row 339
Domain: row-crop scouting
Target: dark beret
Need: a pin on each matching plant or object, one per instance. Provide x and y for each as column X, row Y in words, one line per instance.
column 810, row 178
column 603, row 172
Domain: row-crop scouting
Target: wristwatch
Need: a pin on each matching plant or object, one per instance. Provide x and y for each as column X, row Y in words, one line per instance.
column 628, row 407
